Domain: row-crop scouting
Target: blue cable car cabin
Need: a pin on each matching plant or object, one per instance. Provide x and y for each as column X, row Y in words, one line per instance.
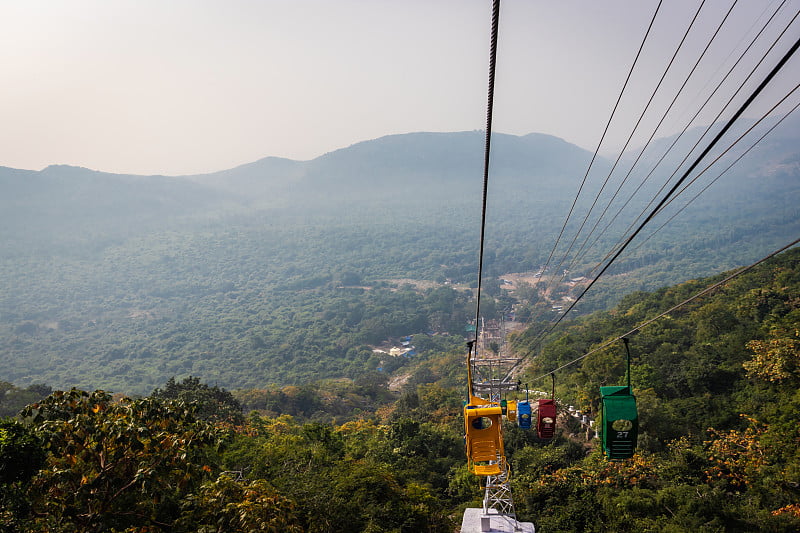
column 620, row 422
column 524, row 414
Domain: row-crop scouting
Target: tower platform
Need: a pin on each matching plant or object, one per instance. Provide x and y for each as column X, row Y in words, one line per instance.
column 475, row 521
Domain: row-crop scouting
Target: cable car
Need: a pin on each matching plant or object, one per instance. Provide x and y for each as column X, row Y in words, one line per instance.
column 524, row 414
column 620, row 421
column 484, row 441
column 546, row 414
column 509, row 408
column 546, row 419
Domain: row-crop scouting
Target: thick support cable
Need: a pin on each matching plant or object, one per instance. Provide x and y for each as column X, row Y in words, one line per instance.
column 708, row 128
column 670, row 310
column 726, row 168
column 602, row 138
column 622, row 151
column 664, row 115
column 686, row 174
column 672, row 191
column 487, row 150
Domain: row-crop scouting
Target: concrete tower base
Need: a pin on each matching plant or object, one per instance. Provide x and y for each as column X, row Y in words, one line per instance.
column 476, row 522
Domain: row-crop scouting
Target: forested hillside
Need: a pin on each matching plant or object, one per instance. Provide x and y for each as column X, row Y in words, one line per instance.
column 281, row 271
column 719, row 450
column 717, row 389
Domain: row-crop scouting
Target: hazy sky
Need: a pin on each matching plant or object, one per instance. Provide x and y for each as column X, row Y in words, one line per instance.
column 177, row 87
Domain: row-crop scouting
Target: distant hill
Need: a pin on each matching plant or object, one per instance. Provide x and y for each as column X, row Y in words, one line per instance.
column 238, row 277
column 435, row 179
column 63, row 206
column 433, row 168
column 426, row 163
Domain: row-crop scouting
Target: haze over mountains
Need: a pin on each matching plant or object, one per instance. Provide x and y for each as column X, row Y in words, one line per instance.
column 413, row 170
column 431, row 163
column 97, row 269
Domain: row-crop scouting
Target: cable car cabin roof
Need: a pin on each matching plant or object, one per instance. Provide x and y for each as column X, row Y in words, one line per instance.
column 477, row 401
column 471, row 411
column 619, row 403
column 615, row 390
column 547, row 407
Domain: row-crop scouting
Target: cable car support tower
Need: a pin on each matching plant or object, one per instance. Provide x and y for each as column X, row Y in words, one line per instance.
column 483, row 415
column 493, row 375
column 489, row 380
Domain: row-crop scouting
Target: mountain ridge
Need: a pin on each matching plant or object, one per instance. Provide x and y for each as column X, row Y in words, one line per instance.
column 378, row 168
column 113, row 280
column 534, row 176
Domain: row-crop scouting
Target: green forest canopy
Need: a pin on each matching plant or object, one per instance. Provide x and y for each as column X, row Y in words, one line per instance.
column 717, row 384
column 279, row 272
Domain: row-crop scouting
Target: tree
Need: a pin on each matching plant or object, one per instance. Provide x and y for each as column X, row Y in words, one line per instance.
column 525, row 292
column 212, row 403
column 13, row 399
column 777, row 358
column 226, row 505
column 116, row 465
column 21, row 456
column 21, row 453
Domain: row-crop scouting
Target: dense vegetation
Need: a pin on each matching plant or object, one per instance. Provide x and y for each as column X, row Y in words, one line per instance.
column 254, row 304
column 717, row 388
column 717, row 385
column 234, row 307
column 280, row 272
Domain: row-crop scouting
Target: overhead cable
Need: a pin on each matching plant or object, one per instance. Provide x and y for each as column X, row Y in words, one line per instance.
column 603, row 136
column 580, row 251
column 627, row 142
column 671, row 309
column 677, row 138
column 696, row 196
column 697, row 161
column 615, row 248
column 487, row 149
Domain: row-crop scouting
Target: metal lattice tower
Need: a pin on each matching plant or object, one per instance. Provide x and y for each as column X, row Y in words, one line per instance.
column 497, row 495
column 492, row 379
column 492, row 372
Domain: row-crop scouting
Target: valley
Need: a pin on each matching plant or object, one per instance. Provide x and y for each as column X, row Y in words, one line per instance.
column 258, row 275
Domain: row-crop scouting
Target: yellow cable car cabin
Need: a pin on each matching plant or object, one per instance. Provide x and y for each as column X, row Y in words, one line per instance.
column 484, row 440
column 509, row 409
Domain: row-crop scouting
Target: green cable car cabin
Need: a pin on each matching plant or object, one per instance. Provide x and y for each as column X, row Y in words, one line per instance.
column 620, row 421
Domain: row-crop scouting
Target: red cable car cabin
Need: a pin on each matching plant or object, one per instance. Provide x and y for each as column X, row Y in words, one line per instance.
column 546, row 419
